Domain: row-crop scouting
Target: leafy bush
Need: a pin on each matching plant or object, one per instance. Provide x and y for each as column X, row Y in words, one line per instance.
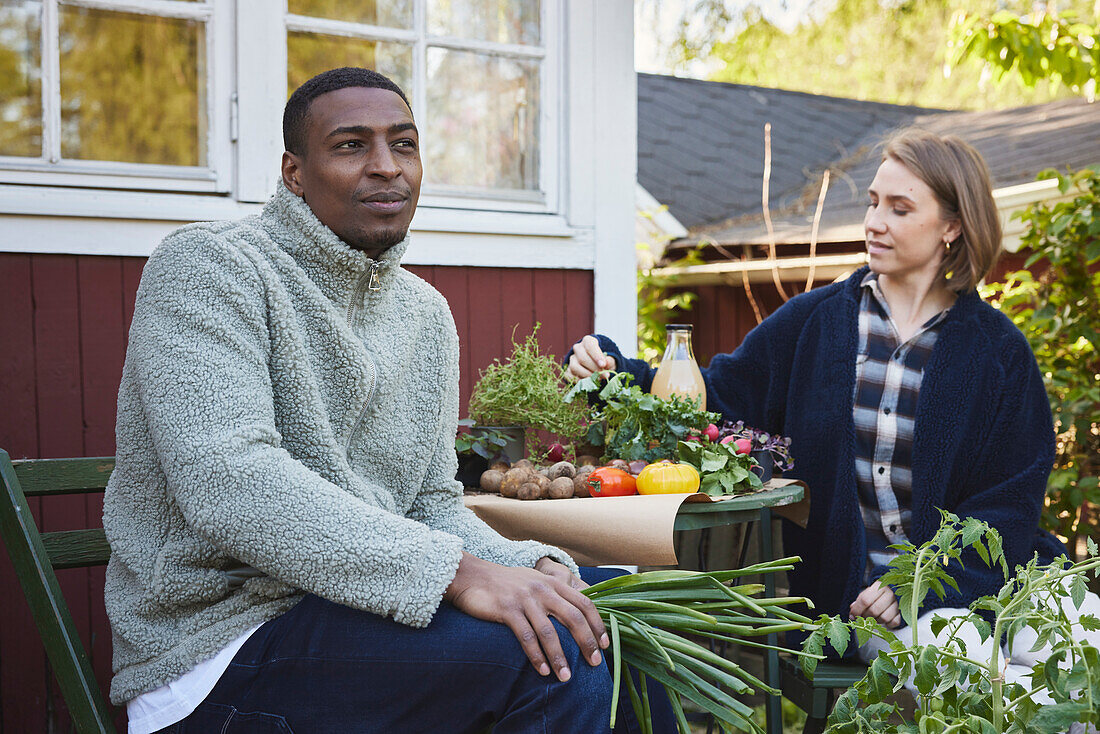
column 1058, row 311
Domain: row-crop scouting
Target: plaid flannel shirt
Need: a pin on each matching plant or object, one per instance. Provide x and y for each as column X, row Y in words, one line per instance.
column 888, row 379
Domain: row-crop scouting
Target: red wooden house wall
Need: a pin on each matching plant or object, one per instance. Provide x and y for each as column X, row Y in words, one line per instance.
column 63, row 326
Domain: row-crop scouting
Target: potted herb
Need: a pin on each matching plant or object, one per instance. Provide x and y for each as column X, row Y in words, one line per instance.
column 479, row 446
column 772, row 452
column 528, row 390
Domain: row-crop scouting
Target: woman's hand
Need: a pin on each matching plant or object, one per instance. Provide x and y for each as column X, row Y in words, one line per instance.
column 524, row 599
column 879, row 602
column 587, row 357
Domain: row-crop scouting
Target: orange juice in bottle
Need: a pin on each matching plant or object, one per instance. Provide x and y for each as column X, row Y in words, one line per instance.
column 678, row 373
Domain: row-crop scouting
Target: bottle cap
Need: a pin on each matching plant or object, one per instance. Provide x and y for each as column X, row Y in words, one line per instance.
column 678, row 327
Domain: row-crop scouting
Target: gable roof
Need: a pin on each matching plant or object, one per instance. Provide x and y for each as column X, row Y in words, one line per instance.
column 717, row 195
column 701, row 144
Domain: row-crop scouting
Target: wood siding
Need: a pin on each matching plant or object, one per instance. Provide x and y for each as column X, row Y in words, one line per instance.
column 63, row 333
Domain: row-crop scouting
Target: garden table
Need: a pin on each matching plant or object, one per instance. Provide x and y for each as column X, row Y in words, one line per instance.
column 779, row 497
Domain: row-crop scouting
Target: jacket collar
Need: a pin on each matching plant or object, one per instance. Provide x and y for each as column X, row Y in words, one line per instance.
column 329, row 262
column 965, row 305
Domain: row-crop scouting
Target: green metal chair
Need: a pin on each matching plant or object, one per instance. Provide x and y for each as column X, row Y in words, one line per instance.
column 36, row 555
column 817, row 696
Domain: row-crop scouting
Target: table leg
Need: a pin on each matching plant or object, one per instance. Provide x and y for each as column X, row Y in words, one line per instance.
column 773, row 704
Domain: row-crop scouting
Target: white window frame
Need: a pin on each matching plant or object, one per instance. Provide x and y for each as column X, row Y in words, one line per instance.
column 549, row 54
column 50, row 169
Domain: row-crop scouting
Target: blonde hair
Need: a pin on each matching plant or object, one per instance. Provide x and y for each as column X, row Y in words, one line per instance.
column 960, row 180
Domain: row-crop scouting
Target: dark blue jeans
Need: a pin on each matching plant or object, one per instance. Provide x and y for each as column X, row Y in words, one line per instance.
column 322, row 667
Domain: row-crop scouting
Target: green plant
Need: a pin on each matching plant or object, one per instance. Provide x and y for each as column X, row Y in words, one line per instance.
column 658, row 303
column 722, row 470
column 958, row 691
column 528, row 390
column 486, row 442
column 1033, row 47
column 1058, row 311
column 654, row 619
column 631, row 424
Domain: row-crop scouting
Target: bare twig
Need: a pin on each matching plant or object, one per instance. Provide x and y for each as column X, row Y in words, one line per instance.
column 748, row 288
column 813, row 230
column 767, row 211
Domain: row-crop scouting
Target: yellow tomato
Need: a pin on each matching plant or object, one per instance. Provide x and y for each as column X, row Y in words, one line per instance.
column 668, row 478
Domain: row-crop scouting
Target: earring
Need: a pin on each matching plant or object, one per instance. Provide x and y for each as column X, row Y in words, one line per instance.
column 947, row 245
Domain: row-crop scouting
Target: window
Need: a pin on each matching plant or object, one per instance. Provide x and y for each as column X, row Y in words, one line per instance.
column 111, row 94
column 476, row 72
column 187, row 95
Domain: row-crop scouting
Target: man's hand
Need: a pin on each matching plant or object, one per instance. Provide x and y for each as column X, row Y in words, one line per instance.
column 879, row 602
column 550, row 567
column 587, row 357
column 524, row 599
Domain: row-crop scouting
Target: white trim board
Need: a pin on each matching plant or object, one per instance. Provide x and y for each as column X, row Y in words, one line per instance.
column 138, row 238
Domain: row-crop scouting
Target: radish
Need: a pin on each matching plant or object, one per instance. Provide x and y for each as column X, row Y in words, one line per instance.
column 711, row 433
column 555, row 453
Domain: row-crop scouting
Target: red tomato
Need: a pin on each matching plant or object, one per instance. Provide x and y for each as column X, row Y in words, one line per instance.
column 607, row 481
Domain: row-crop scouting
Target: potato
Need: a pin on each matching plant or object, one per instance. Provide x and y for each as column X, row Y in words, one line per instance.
column 561, row 469
column 543, row 481
column 524, row 464
column 512, row 480
column 561, row 488
column 620, row 464
column 501, row 466
column 491, row 480
column 587, row 460
column 580, row 481
column 530, row 491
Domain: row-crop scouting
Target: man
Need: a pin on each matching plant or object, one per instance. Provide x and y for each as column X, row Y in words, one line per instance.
column 289, row 546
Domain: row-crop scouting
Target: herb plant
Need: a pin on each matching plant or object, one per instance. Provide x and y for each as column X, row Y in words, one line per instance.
column 486, row 442
column 957, row 691
column 631, row 424
column 528, row 390
column 721, row 469
column 778, row 446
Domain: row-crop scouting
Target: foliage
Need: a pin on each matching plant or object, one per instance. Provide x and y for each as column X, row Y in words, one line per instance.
column 882, row 50
column 658, row 302
column 778, row 446
column 486, row 442
column 631, row 424
column 1033, row 47
column 654, row 619
column 957, row 691
column 528, row 390
column 1059, row 313
column 721, row 469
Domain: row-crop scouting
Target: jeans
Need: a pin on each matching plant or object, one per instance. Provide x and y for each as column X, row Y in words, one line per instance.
column 323, row 667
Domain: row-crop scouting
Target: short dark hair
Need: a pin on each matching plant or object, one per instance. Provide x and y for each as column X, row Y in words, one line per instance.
column 296, row 112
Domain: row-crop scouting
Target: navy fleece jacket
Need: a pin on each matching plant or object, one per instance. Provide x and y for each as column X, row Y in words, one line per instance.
column 983, row 442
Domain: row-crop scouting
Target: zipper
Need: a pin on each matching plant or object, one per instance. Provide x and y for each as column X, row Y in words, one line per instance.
column 367, row 281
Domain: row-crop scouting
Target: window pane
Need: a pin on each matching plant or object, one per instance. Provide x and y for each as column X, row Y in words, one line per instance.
column 391, row 13
column 308, row 54
column 132, row 88
column 482, row 120
column 502, row 21
column 20, row 79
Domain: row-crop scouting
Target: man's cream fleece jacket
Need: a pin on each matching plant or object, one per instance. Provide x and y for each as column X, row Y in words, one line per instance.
column 287, row 405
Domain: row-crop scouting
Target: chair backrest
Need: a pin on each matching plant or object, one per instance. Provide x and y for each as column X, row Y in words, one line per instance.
column 35, row 556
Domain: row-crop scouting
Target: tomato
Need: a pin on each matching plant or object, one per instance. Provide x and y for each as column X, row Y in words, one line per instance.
column 607, row 481
column 668, row 478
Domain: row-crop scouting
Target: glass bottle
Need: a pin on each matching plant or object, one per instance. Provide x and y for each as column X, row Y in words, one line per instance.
column 678, row 373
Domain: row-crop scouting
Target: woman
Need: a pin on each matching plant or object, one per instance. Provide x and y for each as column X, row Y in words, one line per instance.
column 901, row 390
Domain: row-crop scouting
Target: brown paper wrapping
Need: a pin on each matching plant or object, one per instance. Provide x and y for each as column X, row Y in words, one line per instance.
column 632, row 530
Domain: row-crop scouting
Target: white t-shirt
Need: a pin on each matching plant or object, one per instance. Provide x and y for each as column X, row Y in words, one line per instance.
column 174, row 702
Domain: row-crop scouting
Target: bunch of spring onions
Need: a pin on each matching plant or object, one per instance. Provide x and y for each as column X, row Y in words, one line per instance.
column 652, row 616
